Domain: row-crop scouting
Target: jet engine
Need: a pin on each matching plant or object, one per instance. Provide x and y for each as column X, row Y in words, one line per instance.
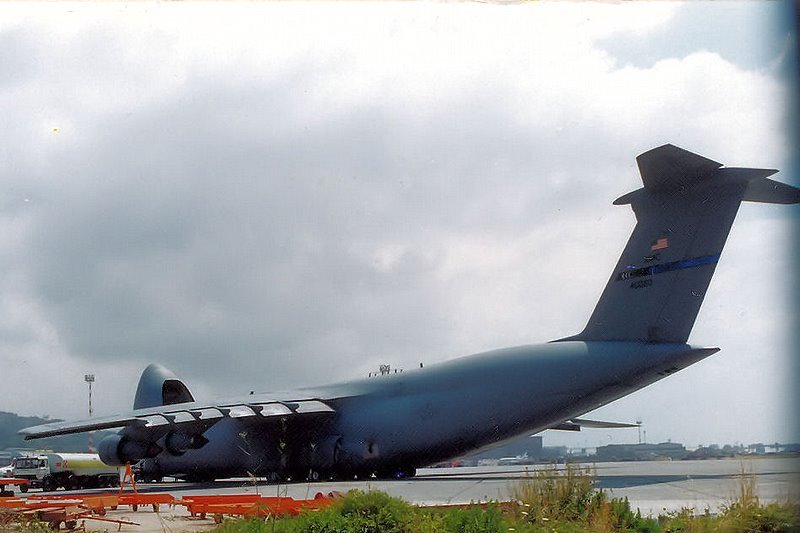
column 178, row 443
column 117, row 450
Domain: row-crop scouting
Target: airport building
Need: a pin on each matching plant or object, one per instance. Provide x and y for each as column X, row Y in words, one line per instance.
column 523, row 450
column 641, row 452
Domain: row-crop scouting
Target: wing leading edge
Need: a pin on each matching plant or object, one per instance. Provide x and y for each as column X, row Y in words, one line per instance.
column 194, row 417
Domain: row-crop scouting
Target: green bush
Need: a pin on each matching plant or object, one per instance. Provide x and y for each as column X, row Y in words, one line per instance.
column 772, row 517
column 357, row 512
column 473, row 520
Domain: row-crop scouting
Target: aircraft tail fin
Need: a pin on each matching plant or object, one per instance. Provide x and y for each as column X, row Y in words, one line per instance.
column 684, row 213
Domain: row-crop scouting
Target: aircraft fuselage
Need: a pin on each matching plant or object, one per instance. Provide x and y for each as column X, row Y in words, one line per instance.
column 390, row 424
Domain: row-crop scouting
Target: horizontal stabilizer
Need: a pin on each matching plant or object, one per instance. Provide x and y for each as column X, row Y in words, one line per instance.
column 770, row 191
column 577, row 423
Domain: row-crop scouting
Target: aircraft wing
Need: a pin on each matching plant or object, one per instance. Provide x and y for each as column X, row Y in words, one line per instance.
column 577, row 423
column 193, row 417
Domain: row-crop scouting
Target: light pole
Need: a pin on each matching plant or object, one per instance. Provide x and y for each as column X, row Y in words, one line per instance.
column 89, row 379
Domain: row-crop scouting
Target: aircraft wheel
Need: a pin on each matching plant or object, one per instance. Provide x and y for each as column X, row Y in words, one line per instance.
column 407, row 471
column 295, row 475
column 199, row 479
column 398, row 472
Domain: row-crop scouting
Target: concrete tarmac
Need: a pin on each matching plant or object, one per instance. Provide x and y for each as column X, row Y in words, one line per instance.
column 654, row 487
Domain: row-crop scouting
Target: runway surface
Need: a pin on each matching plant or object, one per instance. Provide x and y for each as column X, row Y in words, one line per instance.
column 650, row 485
column 654, row 487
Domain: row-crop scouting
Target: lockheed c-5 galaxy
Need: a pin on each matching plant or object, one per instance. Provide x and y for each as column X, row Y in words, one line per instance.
column 389, row 426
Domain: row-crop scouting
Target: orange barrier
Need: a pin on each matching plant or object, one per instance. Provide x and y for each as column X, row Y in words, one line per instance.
column 13, row 481
column 105, row 500
column 39, row 504
column 12, row 503
column 136, row 498
column 54, row 511
column 156, row 499
column 97, row 503
column 251, row 505
column 9, row 482
column 221, row 498
column 67, row 509
column 200, row 504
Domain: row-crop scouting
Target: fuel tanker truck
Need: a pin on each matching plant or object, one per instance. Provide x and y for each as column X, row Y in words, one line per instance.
column 49, row 471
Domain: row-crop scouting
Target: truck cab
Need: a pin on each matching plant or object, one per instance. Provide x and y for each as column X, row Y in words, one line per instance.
column 35, row 469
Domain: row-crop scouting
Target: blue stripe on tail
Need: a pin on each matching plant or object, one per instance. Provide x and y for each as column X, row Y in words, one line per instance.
column 638, row 272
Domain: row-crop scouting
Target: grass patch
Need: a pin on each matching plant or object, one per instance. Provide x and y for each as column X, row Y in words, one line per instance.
column 362, row 512
column 549, row 500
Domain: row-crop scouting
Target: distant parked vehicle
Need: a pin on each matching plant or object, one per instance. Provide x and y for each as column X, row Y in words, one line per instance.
column 49, row 471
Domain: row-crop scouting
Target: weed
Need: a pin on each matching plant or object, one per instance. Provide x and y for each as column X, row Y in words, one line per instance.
column 31, row 525
column 550, row 494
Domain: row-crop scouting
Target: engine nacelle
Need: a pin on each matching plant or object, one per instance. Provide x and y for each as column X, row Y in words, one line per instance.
column 117, row 450
column 177, row 443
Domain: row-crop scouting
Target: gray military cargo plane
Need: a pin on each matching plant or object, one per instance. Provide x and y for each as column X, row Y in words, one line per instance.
column 391, row 425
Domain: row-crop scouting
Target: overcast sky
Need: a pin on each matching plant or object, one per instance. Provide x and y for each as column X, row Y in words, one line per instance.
column 268, row 196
